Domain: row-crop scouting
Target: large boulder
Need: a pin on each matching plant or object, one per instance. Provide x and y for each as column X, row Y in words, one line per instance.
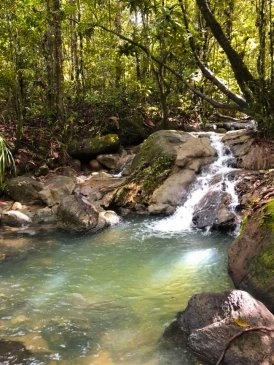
column 211, row 320
column 77, row 214
column 55, row 188
column 213, row 211
column 163, row 170
column 89, row 148
column 250, row 153
column 251, row 256
column 24, row 189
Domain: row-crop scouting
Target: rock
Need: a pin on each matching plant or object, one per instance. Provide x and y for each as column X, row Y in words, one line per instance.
column 55, row 188
column 75, row 164
column 110, row 217
column 13, row 352
column 14, row 218
column 89, row 148
column 213, row 211
column 24, row 189
column 171, row 193
column 95, row 165
column 96, row 188
column 211, row 320
column 251, row 255
column 66, row 171
column 109, row 161
column 42, row 170
column 16, row 206
column 45, row 215
column 251, row 154
column 162, row 172
column 77, row 214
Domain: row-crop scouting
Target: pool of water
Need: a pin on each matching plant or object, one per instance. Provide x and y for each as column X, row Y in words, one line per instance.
column 106, row 299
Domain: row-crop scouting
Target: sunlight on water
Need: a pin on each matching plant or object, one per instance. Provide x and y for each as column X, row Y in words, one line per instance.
column 106, row 299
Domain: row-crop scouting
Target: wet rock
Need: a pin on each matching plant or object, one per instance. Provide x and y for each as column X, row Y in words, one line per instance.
column 213, row 211
column 162, row 172
column 251, row 255
column 55, row 188
column 14, row 218
column 90, row 148
column 211, row 320
column 111, row 218
column 77, row 214
column 24, row 189
column 13, row 352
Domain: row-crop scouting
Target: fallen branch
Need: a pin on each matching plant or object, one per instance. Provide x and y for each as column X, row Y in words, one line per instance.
column 239, row 334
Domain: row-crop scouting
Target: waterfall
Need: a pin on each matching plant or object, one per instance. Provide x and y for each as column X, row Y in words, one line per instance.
column 214, row 177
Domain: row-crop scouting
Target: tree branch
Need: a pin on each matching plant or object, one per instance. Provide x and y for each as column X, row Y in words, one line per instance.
column 205, row 71
column 239, row 334
column 213, row 102
column 242, row 74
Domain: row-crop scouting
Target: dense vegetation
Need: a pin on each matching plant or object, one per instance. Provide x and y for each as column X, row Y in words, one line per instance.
column 66, row 66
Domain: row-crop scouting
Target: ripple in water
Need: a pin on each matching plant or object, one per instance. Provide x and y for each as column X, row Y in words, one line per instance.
column 105, row 299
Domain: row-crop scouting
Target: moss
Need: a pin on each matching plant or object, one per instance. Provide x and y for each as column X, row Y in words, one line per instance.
column 262, row 265
column 89, row 148
column 243, row 224
column 151, row 176
column 268, row 215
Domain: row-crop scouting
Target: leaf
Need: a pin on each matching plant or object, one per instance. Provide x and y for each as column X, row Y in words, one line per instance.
column 241, row 323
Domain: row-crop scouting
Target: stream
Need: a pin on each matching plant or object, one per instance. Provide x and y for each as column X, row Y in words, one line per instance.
column 106, row 299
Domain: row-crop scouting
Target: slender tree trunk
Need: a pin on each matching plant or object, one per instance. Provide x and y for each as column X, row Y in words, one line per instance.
column 58, row 61
column 118, row 28
column 242, row 74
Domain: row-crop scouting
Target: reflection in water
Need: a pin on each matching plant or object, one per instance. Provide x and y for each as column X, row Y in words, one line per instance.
column 105, row 299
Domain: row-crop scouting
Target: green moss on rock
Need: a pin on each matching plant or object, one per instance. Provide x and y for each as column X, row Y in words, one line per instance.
column 91, row 147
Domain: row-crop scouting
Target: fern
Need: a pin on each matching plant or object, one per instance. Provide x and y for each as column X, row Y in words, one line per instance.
column 6, row 161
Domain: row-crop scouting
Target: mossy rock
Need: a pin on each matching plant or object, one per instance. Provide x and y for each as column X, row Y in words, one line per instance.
column 91, row 147
column 251, row 256
column 150, row 167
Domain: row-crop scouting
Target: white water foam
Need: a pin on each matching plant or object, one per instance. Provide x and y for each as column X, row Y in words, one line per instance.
column 213, row 178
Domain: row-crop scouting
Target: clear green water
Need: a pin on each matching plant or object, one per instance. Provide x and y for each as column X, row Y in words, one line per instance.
column 106, row 299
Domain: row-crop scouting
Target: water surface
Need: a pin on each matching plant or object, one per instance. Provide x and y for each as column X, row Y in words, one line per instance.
column 106, row 299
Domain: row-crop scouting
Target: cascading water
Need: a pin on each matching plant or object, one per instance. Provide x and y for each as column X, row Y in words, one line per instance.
column 213, row 178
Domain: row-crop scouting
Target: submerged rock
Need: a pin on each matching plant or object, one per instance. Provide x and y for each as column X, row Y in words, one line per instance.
column 211, row 320
column 251, row 255
column 13, row 352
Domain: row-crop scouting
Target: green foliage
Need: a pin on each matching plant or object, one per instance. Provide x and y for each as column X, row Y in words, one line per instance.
column 7, row 163
column 99, row 68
